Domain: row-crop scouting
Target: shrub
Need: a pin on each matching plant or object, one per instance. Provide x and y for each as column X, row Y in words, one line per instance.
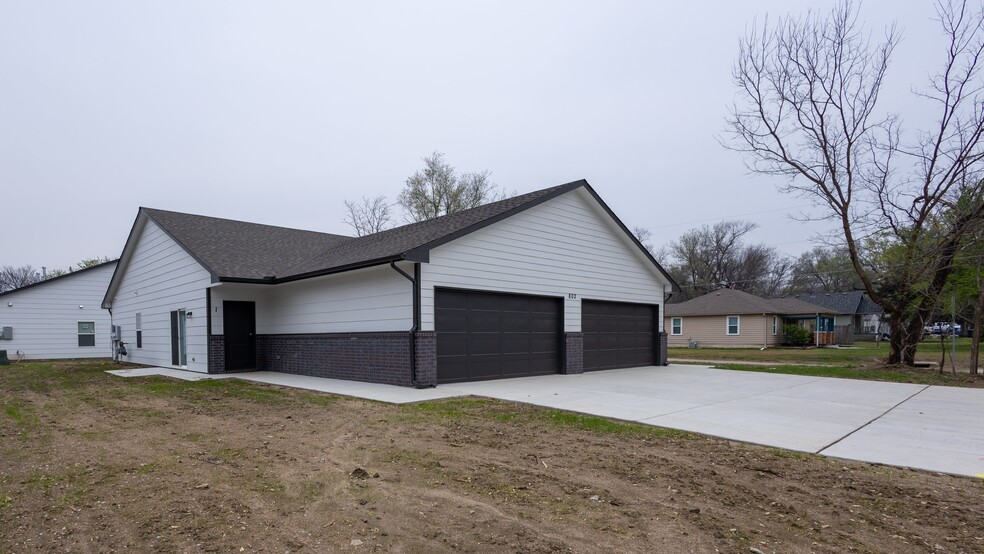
column 796, row 335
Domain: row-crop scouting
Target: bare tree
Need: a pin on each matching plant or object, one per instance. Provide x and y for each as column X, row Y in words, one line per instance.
column 713, row 256
column 368, row 216
column 16, row 277
column 438, row 190
column 645, row 237
column 808, row 110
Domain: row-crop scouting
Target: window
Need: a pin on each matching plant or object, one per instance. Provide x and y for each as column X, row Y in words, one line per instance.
column 676, row 326
column 775, row 325
column 733, row 324
column 139, row 331
column 87, row 333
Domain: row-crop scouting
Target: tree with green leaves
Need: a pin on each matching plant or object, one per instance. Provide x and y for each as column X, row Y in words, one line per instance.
column 439, row 190
column 808, row 109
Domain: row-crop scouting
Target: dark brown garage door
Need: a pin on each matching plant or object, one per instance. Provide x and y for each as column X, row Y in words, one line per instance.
column 484, row 335
column 618, row 335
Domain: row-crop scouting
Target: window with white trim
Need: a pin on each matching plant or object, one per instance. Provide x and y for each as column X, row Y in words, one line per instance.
column 734, row 324
column 676, row 326
column 139, row 331
column 87, row 333
column 775, row 325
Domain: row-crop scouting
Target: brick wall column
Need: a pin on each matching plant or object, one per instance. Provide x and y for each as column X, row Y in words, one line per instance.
column 573, row 353
column 663, row 354
column 216, row 354
column 426, row 350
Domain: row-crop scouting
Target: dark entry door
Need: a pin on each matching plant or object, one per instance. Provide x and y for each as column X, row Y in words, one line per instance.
column 618, row 335
column 239, row 323
column 482, row 335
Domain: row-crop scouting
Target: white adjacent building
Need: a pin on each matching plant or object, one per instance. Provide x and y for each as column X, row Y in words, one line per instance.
column 59, row 318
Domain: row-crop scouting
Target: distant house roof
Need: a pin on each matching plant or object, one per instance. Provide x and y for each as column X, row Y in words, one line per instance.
column 59, row 278
column 850, row 302
column 736, row 302
column 840, row 302
column 869, row 306
column 238, row 251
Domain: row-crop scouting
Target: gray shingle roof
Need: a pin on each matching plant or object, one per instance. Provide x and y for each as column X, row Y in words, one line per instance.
column 840, row 302
column 393, row 243
column 868, row 306
column 736, row 302
column 229, row 248
column 238, row 250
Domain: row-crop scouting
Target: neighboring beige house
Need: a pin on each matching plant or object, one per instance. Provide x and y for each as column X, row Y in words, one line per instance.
column 732, row 318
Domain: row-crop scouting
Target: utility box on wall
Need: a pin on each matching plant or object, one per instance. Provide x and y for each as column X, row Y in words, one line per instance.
column 7, row 333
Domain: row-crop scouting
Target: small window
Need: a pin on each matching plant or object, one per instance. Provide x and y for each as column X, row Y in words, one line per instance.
column 676, row 326
column 775, row 325
column 733, row 324
column 87, row 333
column 139, row 331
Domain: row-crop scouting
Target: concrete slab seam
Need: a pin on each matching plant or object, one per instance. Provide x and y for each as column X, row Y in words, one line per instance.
column 876, row 418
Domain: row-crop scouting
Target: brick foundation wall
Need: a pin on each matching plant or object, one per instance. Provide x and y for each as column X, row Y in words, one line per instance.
column 426, row 349
column 573, row 353
column 662, row 354
column 372, row 357
column 216, row 354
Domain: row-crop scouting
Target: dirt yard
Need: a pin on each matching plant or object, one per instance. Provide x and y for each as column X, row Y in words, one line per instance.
column 95, row 463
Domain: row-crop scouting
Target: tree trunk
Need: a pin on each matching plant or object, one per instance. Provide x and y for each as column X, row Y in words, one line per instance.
column 975, row 345
column 904, row 339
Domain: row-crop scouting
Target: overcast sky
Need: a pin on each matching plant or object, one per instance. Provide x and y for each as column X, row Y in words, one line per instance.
column 276, row 112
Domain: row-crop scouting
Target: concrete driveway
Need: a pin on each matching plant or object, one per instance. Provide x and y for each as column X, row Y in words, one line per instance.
column 927, row 427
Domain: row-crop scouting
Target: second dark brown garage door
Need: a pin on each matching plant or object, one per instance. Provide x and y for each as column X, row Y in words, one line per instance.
column 484, row 335
column 618, row 334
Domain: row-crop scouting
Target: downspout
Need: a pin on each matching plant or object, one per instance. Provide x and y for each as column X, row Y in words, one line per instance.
column 112, row 343
column 765, row 332
column 415, row 281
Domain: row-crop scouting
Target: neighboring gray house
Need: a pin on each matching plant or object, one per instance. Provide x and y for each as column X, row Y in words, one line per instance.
column 59, row 318
column 545, row 282
column 857, row 315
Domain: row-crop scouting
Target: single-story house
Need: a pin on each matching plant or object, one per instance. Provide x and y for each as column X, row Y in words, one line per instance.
column 733, row 318
column 58, row 318
column 858, row 316
column 545, row 282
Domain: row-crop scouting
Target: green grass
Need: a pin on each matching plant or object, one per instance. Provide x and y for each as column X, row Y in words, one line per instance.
column 923, row 377
column 605, row 426
column 506, row 412
column 858, row 354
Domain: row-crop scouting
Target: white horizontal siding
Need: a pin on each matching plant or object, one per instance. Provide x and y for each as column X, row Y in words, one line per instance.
column 376, row 299
column 162, row 277
column 45, row 318
column 565, row 247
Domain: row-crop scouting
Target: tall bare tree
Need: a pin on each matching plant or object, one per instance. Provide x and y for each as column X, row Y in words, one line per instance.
column 438, row 190
column 709, row 257
column 16, row 277
column 369, row 215
column 808, row 110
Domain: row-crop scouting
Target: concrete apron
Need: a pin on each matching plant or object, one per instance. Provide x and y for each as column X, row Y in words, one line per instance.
column 927, row 427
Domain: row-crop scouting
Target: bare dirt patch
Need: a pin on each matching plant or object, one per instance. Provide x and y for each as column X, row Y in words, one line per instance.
column 95, row 463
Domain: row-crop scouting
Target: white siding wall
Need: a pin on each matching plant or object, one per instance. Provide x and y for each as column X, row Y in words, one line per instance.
column 373, row 299
column 565, row 246
column 260, row 294
column 45, row 318
column 162, row 277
